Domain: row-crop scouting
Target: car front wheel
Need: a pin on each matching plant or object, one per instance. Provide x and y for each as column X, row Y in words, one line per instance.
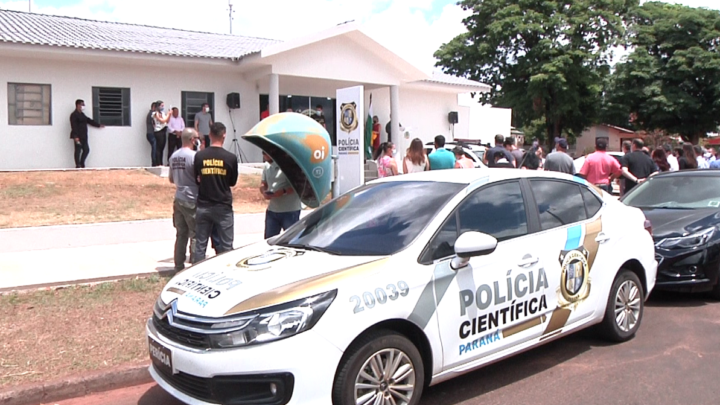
column 383, row 367
column 625, row 307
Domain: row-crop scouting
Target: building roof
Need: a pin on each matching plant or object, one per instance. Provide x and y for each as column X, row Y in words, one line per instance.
column 40, row 29
column 446, row 79
column 625, row 130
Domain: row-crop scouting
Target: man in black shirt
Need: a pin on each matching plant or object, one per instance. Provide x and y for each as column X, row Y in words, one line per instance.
column 79, row 133
column 502, row 149
column 217, row 171
column 636, row 166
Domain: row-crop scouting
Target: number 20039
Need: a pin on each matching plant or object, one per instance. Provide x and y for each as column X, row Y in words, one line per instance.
column 379, row 296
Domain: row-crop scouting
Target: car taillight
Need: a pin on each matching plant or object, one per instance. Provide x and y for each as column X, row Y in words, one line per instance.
column 648, row 226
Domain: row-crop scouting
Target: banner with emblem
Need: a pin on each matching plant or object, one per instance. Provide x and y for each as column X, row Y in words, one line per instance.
column 350, row 143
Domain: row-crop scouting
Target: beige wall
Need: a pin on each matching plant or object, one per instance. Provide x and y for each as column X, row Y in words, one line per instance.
column 586, row 142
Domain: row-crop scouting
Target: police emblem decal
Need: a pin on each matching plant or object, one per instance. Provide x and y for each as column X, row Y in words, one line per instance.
column 265, row 260
column 348, row 117
column 575, row 278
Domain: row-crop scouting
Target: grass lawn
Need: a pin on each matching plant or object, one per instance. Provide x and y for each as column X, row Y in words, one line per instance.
column 80, row 197
column 48, row 335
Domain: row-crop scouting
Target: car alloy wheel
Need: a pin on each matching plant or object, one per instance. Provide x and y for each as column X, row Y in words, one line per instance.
column 387, row 377
column 380, row 367
column 627, row 305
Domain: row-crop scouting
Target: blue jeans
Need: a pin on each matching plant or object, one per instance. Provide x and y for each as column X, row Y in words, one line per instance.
column 279, row 221
column 153, row 147
column 218, row 218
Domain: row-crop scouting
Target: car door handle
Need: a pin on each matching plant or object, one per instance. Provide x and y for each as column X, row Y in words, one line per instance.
column 602, row 238
column 528, row 261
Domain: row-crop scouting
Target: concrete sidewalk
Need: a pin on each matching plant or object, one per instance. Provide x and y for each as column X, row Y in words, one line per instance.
column 68, row 254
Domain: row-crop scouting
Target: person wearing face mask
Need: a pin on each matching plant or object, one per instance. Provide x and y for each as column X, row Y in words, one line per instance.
column 182, row 174
column 160, row 121
column 203, row 121
column 319, row 116
column 176, row 125
column 387, row 166
column 150, row 132
column 79, row 133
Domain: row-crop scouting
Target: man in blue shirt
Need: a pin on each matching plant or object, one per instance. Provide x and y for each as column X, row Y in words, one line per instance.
column 442, row 158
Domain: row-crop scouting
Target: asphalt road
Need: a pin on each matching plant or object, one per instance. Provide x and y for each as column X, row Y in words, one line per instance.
column 674, row 359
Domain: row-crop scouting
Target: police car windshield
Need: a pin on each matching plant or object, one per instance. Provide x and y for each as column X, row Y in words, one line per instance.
column 373, row 220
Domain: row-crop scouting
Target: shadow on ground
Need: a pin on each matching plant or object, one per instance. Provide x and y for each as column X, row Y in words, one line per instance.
column 665, row 299
column 511, row 370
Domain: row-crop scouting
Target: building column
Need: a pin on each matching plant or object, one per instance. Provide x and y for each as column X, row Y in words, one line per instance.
column 274, row 95
column 397, row 136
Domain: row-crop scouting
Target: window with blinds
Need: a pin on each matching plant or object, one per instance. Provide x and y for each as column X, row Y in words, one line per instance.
column 29, row 104
column 192, row 102
column 111, row 106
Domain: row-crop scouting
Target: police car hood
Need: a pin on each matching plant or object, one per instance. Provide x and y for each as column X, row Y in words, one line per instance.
column 258, row 276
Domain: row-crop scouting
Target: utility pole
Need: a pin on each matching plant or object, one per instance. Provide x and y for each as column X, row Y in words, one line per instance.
column 29, row 6
column 230, row 14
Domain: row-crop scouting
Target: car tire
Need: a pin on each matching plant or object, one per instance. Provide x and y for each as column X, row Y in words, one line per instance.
column 359, row 366
column 625, row 308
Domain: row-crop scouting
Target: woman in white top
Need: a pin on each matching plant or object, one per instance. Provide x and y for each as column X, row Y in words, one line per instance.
column 415, row 159
column 160, row 120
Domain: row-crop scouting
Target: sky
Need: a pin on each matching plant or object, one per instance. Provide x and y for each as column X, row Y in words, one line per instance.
column 414, row 29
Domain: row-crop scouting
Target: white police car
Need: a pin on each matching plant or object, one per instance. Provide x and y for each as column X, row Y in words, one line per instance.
column 399, row 284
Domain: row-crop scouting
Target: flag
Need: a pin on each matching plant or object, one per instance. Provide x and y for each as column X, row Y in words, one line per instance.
column 368, row 131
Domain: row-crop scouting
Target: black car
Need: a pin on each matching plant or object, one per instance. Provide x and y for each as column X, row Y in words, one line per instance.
column 684, row 209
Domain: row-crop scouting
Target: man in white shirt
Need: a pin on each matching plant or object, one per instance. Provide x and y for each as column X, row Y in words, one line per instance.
column 701, row 161
column 672, row 160
column 176, row 125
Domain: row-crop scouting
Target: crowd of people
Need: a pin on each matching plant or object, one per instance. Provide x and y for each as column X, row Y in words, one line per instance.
column 599, row 168
column 203, row 204
column 504, row 154
column 166, row 127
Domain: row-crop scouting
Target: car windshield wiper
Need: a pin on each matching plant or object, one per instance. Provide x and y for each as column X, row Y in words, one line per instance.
column 309, row 247
column 670, row 207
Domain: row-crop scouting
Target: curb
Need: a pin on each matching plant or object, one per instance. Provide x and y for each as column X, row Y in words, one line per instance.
column 75, row 387
column 70, row 283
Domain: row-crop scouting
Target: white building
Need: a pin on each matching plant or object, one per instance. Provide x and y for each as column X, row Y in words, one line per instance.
column 46, row 62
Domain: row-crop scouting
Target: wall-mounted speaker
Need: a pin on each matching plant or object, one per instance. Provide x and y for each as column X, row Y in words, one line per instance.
column 233, row 100
column 453, row 117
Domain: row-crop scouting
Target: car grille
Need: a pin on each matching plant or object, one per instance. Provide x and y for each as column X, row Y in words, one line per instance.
column 233, row 389
column 196, row 387
column 182, row 336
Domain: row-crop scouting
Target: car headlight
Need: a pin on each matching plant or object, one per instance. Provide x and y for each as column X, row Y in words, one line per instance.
column 686, row 242
column 275, row 323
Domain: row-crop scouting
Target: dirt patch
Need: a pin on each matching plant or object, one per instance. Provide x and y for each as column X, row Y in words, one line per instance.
column 48, row 335
column 81, row 197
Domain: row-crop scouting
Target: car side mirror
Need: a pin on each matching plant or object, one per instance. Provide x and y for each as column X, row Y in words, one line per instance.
column 472, row 244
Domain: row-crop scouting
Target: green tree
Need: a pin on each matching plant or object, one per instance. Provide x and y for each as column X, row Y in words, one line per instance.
column 671, row 81
column 545, row 59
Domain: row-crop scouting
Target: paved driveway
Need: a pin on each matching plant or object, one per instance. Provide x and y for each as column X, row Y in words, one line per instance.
column 675, row 359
